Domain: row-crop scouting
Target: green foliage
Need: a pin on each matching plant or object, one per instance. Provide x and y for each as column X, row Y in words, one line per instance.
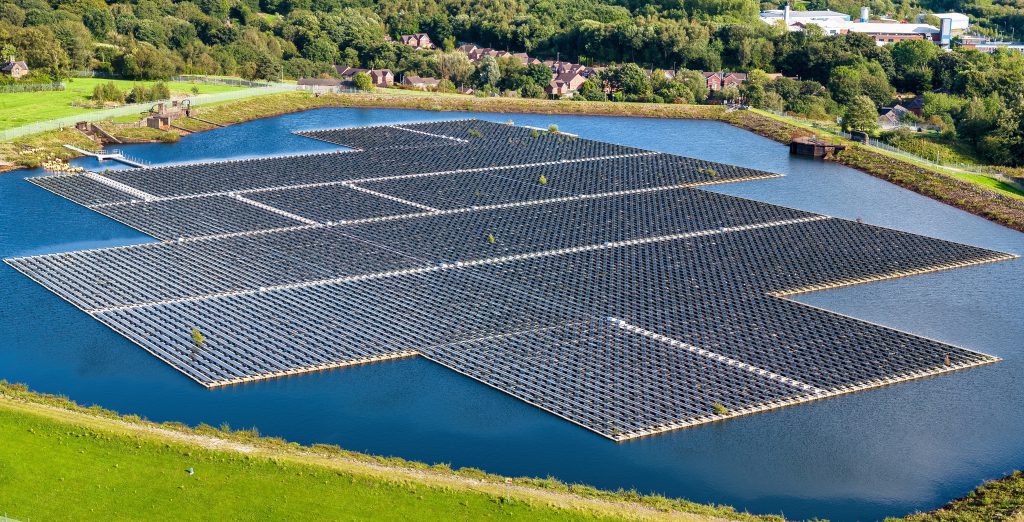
column 107, row 92
column 445, row 86
column 140, row 93
column 197, row 337
column 543, row 180
column 719, row 409
column 553, row 128
column 861, row 115
column 275, row 39
column 363, row 81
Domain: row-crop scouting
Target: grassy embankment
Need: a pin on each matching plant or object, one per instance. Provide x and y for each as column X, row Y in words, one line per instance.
column 59, row 461
column 1001, row 499
column 22, row 108
column 1002, row 206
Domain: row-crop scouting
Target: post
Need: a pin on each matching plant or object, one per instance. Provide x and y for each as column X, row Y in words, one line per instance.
column 508, row 488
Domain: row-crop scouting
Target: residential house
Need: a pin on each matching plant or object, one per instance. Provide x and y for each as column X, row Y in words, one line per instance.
column 717, row 81
column 417, row 41
column 379, row 77
column 713, row 80
column 889, row 117
column 915, row 105
column 382, row 77
column 13, row 68
column 733, row 79
column 423, row 84
column 565, row 84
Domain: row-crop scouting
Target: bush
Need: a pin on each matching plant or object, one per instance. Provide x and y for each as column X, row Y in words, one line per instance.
column 140, row 93
column 363, row 81
column 107, row 92
column 445, row 86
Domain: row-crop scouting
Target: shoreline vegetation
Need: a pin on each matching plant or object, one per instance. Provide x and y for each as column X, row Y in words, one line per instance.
column 1003, row 207
column 124, row 465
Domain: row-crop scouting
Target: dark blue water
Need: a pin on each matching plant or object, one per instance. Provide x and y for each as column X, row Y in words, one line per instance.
column 889, row 451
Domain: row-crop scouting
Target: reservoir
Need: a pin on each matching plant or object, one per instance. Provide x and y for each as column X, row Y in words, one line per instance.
column 883, row 452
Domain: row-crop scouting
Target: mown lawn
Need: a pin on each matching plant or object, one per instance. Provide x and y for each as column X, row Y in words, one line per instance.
column 51, row 470
column 21, row 108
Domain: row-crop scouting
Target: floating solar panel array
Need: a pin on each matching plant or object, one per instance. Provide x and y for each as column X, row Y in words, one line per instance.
column 592, row 280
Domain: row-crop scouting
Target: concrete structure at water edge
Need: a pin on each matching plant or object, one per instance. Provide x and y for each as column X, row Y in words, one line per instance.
column 596, row 281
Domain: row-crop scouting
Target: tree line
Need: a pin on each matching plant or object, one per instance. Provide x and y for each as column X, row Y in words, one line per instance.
column 970, row 95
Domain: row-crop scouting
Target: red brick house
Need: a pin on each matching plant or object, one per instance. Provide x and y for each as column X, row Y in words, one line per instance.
column 714, row 81
column 418, row 41
column 565, row 84
column 717, row 81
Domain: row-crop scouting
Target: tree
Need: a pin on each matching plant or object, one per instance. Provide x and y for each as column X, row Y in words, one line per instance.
column 363, row 81
column 445, row 86
column 861, row 115
column 591, row 91
column 267, row 68
column 454, row 66
column 539, row 73
column 489, row 73
column 1005, row 144
column 911, row 59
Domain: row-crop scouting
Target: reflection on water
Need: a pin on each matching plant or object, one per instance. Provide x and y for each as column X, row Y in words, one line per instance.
column 864, row 456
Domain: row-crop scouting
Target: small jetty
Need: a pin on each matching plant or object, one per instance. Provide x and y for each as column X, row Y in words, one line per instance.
column 115, row 155
column 814, row 147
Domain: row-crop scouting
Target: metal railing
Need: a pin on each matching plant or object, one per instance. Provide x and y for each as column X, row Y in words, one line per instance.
column 136, row 108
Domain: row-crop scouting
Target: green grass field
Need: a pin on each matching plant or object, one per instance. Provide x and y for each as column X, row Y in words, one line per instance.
column 22, row 108
column 51, row 470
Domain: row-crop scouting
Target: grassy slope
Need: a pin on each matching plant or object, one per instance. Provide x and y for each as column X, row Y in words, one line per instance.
column 60, row 461
column 78, row 472
column 18, row 109
column 1001, row 499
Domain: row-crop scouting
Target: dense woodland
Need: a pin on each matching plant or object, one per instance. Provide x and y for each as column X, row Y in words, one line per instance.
column 971, row 96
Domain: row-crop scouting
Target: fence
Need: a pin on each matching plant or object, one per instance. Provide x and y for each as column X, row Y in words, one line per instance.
column 32, row 87
column 190, row 78
column 328, row 88
column 136, row 108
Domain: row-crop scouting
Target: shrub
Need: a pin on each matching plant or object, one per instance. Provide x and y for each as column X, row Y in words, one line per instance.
column 197, row 337
column 553, row 128
column 363, row 81
column 719, row 409
column 107, row 92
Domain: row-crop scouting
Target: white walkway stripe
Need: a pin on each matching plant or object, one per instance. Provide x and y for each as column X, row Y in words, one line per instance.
column 458, row 265
column 275, row 210
column 428, row 134
column 392, row 198
column 715, row 356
